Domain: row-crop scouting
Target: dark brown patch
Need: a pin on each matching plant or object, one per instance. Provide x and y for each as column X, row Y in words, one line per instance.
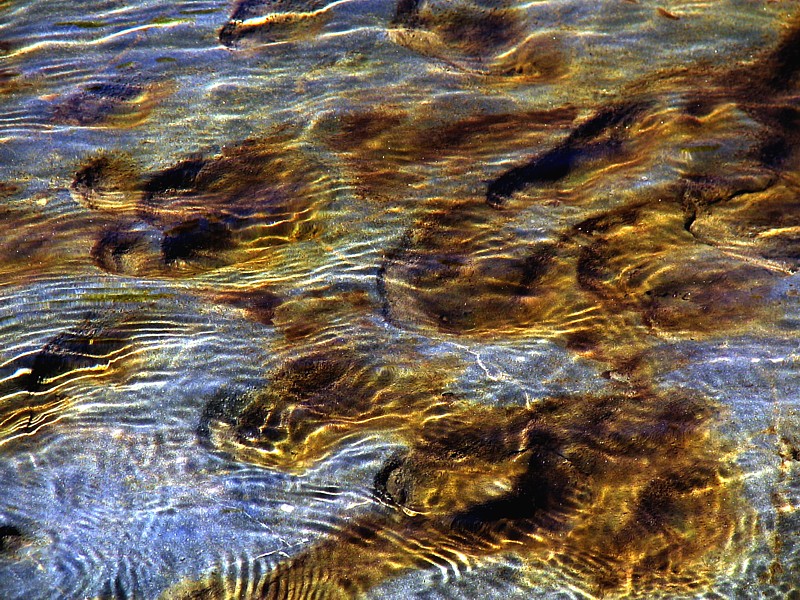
column 315, row 401
column 70, row 354
column 303, row 317
column 706, row 298
column 359, row 129
column 8, row 189
column 206, row 213
column 447, row 277
column 383, row 147
column 247, row 184
column 33, row 385
column 640, row 261
column 258, row 304
column 783, row 63
column 181, row 177
column 666, row 14
column 255, row 22
column 541, row 58
column 618, row 491
column 11, row 538
column 599, row 138
column 129, row 251
column 11, row 81
column 197, row 241
column 116, row 103
column 487, row 41
column 760, row 224
column 106, row 181
column 37, row 242
column 467, row 28
column 405, row 12
column 392, row 130
column 493, row 129
column 582, row 341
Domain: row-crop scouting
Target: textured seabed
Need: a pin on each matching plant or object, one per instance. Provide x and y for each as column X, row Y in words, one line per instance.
column 399, row 299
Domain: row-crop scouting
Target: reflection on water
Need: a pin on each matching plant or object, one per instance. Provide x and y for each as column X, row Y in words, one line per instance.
column 424, row 298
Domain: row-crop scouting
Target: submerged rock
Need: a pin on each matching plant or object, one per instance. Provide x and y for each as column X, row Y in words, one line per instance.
column 204, row 213
column 256, row 22
column 113, row 103
column 492, row 39
column 107, row 181
column 34, row 386
column 545, row 483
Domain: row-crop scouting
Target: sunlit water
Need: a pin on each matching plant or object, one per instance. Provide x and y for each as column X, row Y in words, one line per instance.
column 415, row 299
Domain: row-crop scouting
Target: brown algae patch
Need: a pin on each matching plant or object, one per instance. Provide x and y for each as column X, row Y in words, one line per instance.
column 32, row 389
column 763, row 225
column 642, row 261
column 623, row 495
column 615, row 281
column 602, row 139
column 204, row 213
column 491, row 40
column 306, row 317
column 429, row 133
column 258, row 22
column 317, row 401
column 107, row 181
column 8, row 190
column 386, row 148
column 456, row 272
column 118, row 103
column 12, row 81
column 258, row 303
column 38, row 244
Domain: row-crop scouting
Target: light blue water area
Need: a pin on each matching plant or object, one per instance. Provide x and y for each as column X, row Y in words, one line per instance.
column 120, row 493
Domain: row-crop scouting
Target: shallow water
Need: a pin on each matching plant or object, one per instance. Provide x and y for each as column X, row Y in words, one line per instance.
column 415, row 299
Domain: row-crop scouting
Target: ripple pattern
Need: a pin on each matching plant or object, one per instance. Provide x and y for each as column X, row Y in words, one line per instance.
column 399, row 298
